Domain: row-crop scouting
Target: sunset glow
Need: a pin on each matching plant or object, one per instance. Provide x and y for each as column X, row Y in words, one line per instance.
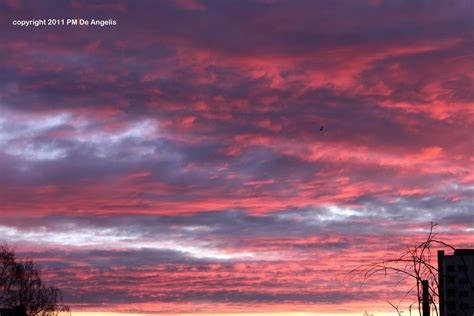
column 240, row 158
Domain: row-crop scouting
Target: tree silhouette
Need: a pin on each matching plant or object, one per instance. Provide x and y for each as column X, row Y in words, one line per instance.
column 414, row 264
column 21, row 286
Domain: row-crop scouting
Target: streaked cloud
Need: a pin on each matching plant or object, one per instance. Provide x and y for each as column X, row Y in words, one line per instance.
column 175, row 163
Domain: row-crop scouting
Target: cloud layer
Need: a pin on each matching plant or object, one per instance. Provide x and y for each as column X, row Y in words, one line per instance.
column 176, row 162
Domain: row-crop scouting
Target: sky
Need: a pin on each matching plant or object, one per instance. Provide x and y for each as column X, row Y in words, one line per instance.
column 174, row 163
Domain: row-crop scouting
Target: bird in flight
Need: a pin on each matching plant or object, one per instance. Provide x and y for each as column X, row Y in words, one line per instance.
column 321, row 129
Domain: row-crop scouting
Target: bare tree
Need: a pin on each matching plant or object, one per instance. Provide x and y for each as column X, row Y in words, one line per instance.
column 414, row 264
column 21, row 285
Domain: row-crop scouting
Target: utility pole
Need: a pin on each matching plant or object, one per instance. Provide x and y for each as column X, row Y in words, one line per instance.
column 426, row 298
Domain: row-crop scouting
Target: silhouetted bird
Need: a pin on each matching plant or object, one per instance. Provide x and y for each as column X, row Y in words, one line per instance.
column 321, row 129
